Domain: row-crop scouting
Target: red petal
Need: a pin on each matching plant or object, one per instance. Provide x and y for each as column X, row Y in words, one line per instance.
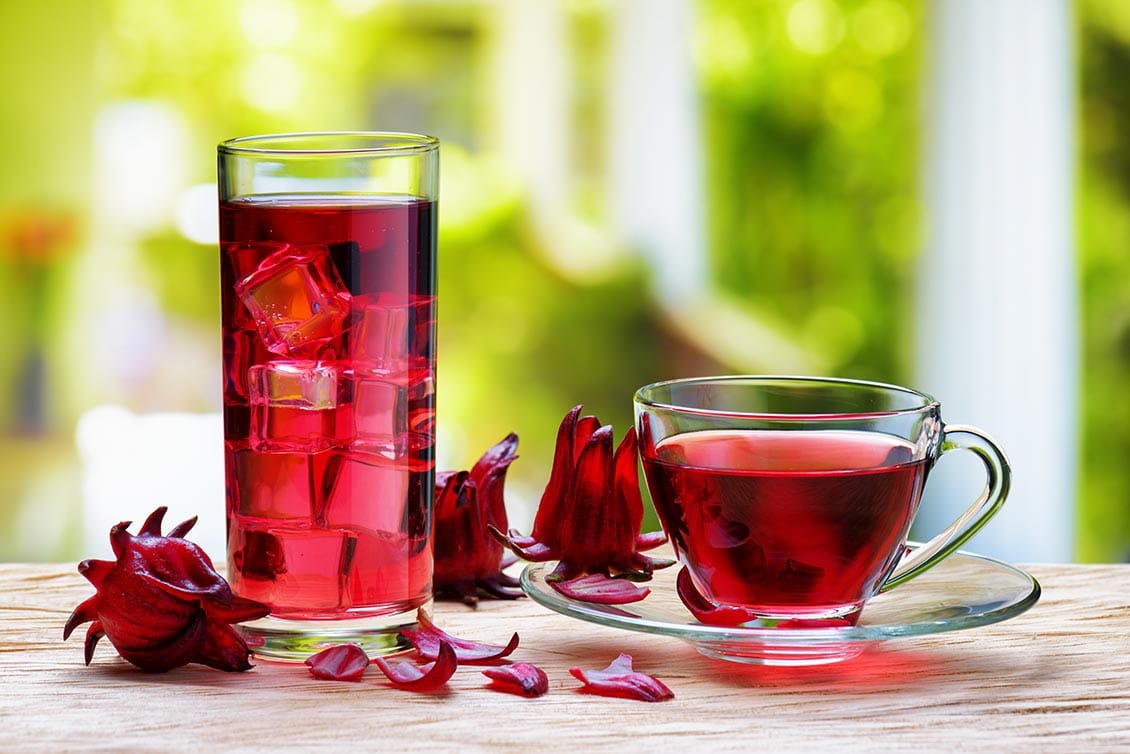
column 497, row 458
column 182, row 528
column 650, row 540
column 529, row 679
column 427, row 677
column 152, row 525
column 704, row 610
column 85, row 612
column 93, row 634
column 601, row 589
column 618, row 679
column 460, row 536
column 429, row 641
column 180, row 564
column 502, row 586
column 586, row 427
column 120, row 538
column 96, row 571
column 344, row 662
column 627, row 487
column 178, row 650
column 449, row 486
column 138, row 616
column 240, row 609
column 190, row 592
column 548, row 518
column 644, row 564
column 591, row 525
column 223, row 649
column 527, row 548
column 489, row 473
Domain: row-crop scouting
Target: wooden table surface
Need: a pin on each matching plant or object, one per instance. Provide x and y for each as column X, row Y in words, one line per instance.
column 1054, row 679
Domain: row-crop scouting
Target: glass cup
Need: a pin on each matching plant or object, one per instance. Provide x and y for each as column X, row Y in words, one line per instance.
column 790, row 498
column 328, row 292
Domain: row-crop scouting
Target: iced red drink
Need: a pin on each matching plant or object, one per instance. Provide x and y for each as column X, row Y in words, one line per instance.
column 328, row 303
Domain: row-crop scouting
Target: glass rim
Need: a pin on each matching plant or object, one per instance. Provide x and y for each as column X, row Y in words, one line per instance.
column 374, row 143
column 928, row 402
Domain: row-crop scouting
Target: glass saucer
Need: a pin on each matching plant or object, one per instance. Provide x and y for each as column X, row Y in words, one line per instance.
column 963, row 591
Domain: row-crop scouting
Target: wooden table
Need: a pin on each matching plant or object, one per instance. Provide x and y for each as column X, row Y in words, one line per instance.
column 1054, row 679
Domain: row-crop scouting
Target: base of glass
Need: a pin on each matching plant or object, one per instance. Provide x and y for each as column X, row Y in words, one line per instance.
column 285, row 640
column 784, row 654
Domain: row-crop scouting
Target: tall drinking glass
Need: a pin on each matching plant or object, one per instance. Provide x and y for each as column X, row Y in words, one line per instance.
column 328, row 289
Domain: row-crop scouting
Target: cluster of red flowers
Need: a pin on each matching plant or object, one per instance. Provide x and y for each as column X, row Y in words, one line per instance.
column 588, row 519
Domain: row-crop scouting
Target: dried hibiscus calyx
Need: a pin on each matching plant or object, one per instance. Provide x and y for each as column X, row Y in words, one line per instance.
column 618, row 679
column 161, row 602
column 590, row 514
column 342, row 662
column 734, row 615
column 601, row 589
column 427, row 677
column 429, row 639
column 523, row 677
column 706, row 612
column 468, row 560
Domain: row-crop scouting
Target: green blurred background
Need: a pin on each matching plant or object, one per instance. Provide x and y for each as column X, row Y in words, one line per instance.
column 109, row 280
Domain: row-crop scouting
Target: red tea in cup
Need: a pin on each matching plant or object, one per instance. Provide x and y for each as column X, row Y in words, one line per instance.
column 792, row 498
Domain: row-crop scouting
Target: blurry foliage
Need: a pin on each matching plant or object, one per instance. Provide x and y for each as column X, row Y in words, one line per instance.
column 811, row 129
column 186, row 281
column 519, row 346
column 811, row 120
column 1104, row 264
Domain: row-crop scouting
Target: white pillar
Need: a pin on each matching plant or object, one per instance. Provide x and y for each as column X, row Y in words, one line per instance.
column 533, row 88
column 655, row 145
column 997, row 314
column 657, row 193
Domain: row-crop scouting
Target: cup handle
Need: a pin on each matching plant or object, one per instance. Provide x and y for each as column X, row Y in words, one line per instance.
column 992, row 497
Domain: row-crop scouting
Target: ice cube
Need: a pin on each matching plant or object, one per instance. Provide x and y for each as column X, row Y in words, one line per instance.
column 298, row 300
column 364, row 493
column 389, row 570
column 380, row 412
column 256, row 559
column 294, row 406
column 314, row 578
column 238, row 261
column 275, row 486
column 393, row 332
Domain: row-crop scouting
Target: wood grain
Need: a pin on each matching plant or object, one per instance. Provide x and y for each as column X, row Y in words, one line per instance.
column 1054, row 679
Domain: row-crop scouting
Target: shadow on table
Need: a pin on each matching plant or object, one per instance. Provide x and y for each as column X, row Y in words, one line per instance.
column 878, row 669
column 888, row 669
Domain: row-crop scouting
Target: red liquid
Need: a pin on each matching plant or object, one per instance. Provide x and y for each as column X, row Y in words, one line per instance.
column 786, row 523
column 329, row 403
